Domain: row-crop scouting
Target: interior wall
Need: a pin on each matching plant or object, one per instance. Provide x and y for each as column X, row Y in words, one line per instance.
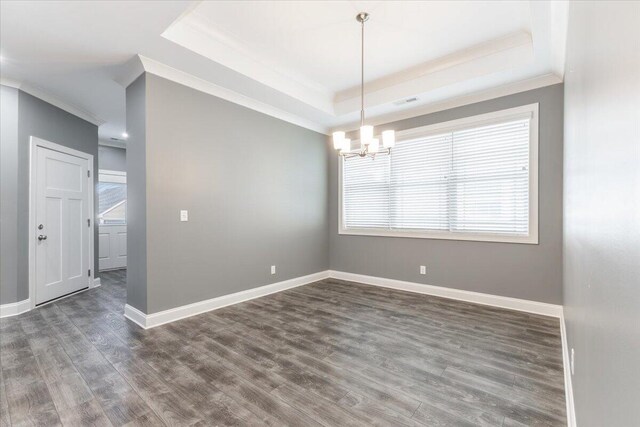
column 112, row 158
column 8, row 194
column 43, row 120
column 257, row 197
column 531, row 272
column 602, row 210
column 136, row 165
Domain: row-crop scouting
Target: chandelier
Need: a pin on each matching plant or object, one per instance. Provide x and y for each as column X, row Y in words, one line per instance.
column 369, row 146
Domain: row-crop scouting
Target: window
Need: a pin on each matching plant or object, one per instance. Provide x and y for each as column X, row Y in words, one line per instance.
column 468, row 179
column 112, row 198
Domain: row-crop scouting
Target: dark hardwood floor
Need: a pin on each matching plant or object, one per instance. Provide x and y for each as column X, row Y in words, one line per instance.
column 331, row 353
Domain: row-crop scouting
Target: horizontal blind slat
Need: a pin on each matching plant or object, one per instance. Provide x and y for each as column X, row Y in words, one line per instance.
column 471, row 180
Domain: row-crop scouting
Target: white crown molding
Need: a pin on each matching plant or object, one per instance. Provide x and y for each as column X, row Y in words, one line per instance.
column 517, row 304
column 156, row 319
column 183, row 78
column 482, row 59
column 53, row 100
column 129, row 72
column 568, row 384
column 15, row 308
column 484, row 95
column 195, row 32
column 10, row 82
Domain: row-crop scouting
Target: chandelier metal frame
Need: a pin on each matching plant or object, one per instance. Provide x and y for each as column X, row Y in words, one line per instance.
column 369, row 146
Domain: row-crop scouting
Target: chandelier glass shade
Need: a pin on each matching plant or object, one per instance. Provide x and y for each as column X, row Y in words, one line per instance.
column 369, row 145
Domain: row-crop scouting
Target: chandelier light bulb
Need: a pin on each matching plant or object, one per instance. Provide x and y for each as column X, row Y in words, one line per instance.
column 338, row 139
column 388, row 139
column 366, row 134
column 374, row 146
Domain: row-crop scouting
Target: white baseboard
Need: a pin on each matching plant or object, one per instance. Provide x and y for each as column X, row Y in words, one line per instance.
column 15, row 308
column 135, row 315
column 535, row 307
column 156, row 319
column 96, row 283
column 568, row 384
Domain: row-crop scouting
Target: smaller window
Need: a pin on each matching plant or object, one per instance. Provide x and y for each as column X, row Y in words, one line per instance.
column 112, row 198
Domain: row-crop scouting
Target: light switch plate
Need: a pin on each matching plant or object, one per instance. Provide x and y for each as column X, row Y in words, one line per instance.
column 273, row 269
column 184, row 215
column 423, row 269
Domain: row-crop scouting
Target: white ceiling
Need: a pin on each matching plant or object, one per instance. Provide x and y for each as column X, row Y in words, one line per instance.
column 296, row 60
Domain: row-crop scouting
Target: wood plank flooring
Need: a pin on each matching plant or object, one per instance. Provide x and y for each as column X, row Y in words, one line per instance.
column 327, row 354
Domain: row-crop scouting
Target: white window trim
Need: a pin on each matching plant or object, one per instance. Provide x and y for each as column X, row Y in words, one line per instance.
column 530, row 110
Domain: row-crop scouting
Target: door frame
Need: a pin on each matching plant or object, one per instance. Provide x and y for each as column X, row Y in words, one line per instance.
column 34, row 143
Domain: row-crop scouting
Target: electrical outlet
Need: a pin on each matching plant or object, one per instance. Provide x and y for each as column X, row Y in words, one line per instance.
column 423, row 269
column 573, row 365
column 184, row 215
column 273, row 269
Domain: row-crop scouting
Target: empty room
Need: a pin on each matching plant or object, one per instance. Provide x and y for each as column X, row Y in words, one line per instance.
column 320, row 213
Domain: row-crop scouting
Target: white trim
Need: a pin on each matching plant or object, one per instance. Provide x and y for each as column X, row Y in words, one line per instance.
column 160, row 318
column 37, row 142
column 194, row 32
column 189, row 80
column 15, row 308
column 568, row 385
column 96, row 283
column 456, row 102
column 53, row 100
column 517, row 304
column 530, row 110
column 136, row 316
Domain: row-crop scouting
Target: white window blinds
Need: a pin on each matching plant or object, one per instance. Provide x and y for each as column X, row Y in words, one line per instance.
column 469, row 180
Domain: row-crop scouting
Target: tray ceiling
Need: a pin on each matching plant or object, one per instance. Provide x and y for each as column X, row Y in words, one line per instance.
column 296, row 60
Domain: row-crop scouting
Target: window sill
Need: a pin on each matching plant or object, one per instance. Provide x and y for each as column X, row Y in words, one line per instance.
column 444, row 235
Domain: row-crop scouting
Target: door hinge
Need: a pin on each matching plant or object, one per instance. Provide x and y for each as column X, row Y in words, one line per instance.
column 88, row 174
column 89, row 273
column 88, row 222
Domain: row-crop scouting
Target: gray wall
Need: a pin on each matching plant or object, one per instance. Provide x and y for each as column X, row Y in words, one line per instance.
column 257, row 196
column 8, row 195
column 532, row 272
column 43, row 120
column 602, row 211
column 136, row 195
column 112, row 158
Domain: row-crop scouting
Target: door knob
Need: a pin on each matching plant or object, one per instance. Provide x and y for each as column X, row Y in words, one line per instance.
column 42, row 237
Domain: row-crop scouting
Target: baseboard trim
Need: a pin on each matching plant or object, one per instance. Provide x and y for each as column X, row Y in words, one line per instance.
column 96, row 283
column 148, row 321
column 527, row 306
column 15, row 308
column 135, row 315
column 568, row 384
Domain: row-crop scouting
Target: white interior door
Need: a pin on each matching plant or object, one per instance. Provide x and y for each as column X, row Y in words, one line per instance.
column 62, row 220
column 112, row 217
column 112, row 246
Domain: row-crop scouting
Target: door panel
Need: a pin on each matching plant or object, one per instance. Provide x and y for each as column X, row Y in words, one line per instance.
column 77, row 211
column 113, row 246
column 62, row 210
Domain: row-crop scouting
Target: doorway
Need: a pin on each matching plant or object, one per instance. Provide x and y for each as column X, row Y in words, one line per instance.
column 60, row 219
column 112, row 219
